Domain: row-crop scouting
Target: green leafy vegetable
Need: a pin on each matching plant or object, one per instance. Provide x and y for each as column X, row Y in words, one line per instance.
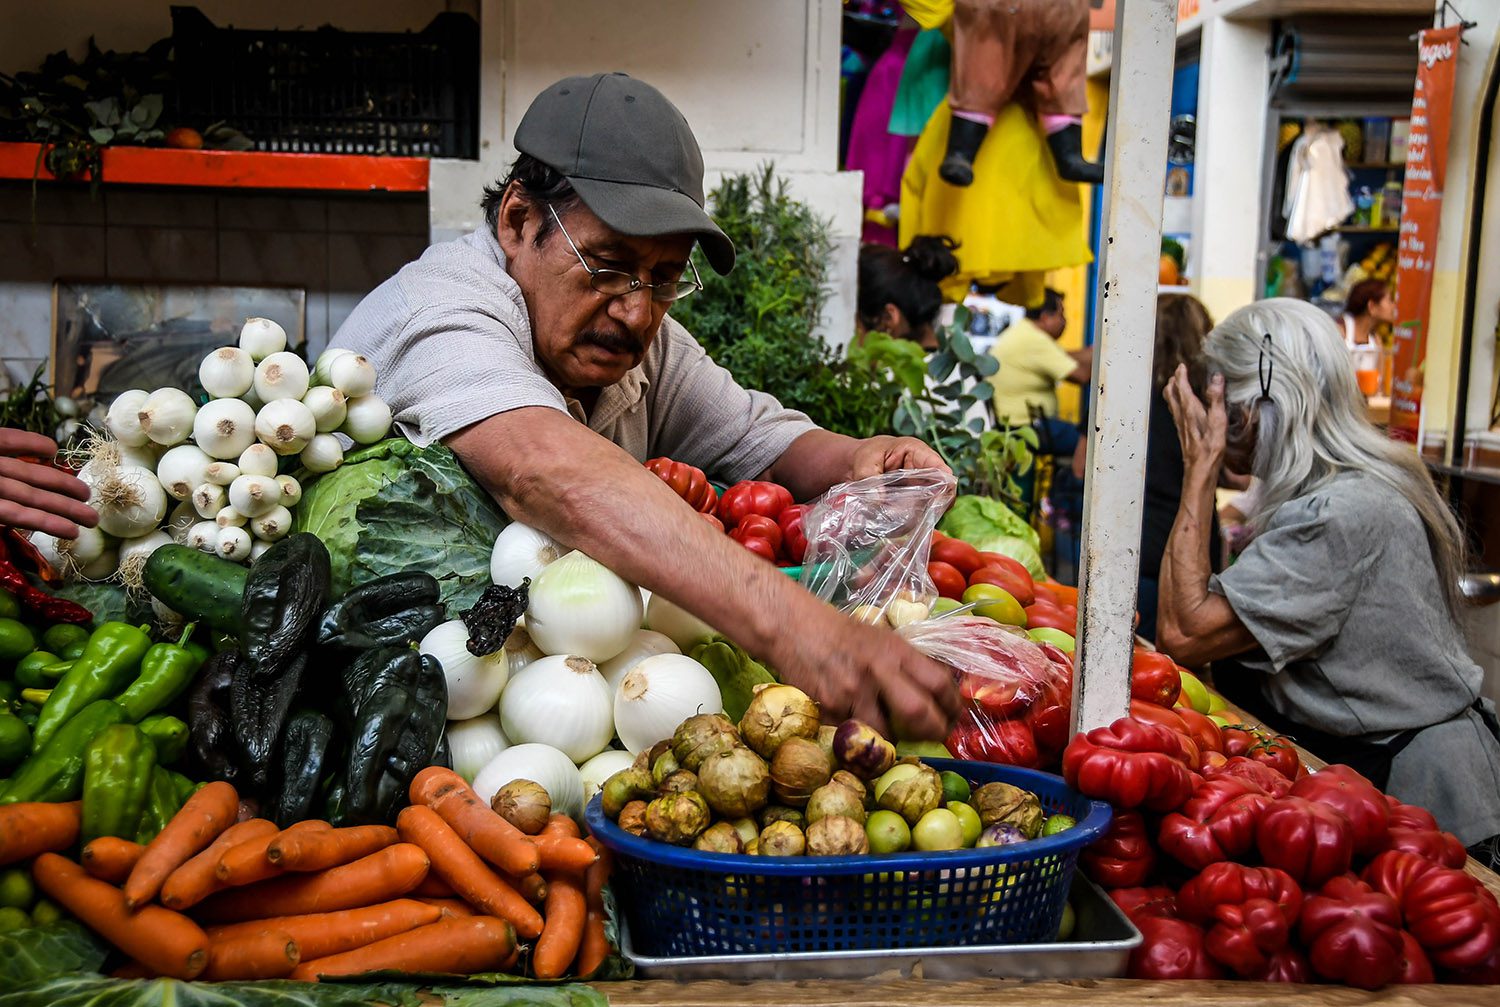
column 99, row 991
column 991, row 526
column 28, row 956
column 394, row 506
column 736, row 672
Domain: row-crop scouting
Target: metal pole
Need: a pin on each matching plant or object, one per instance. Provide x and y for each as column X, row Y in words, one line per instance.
column 1140, row 94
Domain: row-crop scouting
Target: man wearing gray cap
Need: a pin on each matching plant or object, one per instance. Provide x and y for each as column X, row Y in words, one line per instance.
column 539, row 349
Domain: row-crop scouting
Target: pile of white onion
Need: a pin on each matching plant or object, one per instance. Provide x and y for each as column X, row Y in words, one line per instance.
column 580, row 683
column 206, row 476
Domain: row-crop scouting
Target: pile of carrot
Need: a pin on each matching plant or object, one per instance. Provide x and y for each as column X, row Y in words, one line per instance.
column 449, row 889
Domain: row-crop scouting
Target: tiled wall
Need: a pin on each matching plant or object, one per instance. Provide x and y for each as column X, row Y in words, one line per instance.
column 337, row 247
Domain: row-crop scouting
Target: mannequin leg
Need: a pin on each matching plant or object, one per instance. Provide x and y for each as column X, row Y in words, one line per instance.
column 965, row 135
column 1065, row 137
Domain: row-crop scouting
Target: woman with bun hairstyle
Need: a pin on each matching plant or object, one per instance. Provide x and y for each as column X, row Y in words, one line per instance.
column 898, row 290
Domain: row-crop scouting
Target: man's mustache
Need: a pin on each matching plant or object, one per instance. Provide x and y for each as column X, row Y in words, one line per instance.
column 615, row 342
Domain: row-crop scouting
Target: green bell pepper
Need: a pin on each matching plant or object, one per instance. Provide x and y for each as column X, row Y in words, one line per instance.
column 108, row 665
column 166, row 672
column 117, row 768
column 55, row 770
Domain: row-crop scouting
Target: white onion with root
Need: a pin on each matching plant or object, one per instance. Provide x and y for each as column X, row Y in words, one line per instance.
column 258, row 460
column 224, row 428
column 658, row 694
column 227, row 373
column 130, row 501
column 285, row 426
column 70, row 555
column 329, row 407
column 281, row 376
column 183, row 469
column 559, row 701
column 254, row 496
column 323, row 453
column 580, row 607
column 645, row 643
column 368, row 419
column 134, row 553
column 474, row 742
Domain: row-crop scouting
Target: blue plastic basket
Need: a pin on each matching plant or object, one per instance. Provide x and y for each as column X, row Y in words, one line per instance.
column 683, row 902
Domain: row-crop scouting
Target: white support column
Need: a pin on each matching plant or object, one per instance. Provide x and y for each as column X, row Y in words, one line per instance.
column 1140, row 94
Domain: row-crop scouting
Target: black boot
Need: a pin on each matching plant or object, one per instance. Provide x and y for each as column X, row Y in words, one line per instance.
column 964, row 138
column 1067, row 151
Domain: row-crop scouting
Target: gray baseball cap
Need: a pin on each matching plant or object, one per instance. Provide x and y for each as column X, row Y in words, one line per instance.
column 630, row 156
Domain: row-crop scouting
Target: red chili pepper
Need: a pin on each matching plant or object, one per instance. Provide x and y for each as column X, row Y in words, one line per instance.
column 1285, row 966
column 1353, row 934
column 1264, row 777
column 1131, row 765
column 1234, row 884
column 1156, row 900
column 794, row 538
column 1243, row 937
column 1347, row 791
column 1431, row 844
column 752, row 497
column 1457, row 926
column 687, row 482
column 1154, row 678
column 1311, row 842
column 1171, row 949
column 1217, row 823
column 41, row 604
column 1122, row 857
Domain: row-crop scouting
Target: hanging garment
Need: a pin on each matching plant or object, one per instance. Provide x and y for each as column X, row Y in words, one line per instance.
column 924, row 83
column 1020, row 50
column 1017, row 221
column 1317, row 184
column 872, row 148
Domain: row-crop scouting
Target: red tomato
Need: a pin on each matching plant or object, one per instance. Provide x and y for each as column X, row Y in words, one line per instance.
column 687, row 482
column 1044, row 616
column 758, row 526
column 999, row 559
column 950, row 583
column 752, row 497
column 938, row 536
column 793, row 537
column 1202, row 730
column 1150, row 713
column 1013, row 744
column 1049, row 725
column 998, row 699
column 1020, row 588
column 957, row 553
column 1044, row 593
column 759, row 546
column 1279, row 754
column 1154, row 677
column 1239, row 739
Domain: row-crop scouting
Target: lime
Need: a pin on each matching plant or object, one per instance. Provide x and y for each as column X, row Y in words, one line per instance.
column 939, row 829
column 995, row 603
column 1058, row 823
column 73, row 651
column 15, row 741
column 13, row 919
column 887, row 832
column 1069, row 922
column 16, row 640
column 9, row 607
column 1194, row 692
column 968, row 820
column 28, row 672
column 1216, row 702
column 955, row 787
column 1046, row 634
column 59, row 638
column 16, row 889
column 45, row 913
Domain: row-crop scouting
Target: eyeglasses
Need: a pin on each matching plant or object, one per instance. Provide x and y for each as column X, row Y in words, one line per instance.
column 617, row 283
column 1266, row 367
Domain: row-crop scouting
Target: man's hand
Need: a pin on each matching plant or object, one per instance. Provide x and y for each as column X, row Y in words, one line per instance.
column 868, row 672
column 36, row 496
column 875, row 455
column 1200, row 427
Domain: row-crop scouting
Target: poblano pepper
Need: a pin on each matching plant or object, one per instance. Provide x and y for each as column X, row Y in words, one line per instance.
column 166, row 671
column 117, row 767
column 162, row 802
column 55, row 770
column 284, row 596
column 421, row 736
column 306, row 756
column 109, row 663
column 209, row 727
column 391, row 611
column 381, row 688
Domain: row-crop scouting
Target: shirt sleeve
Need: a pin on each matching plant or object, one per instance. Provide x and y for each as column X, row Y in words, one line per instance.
column 453, row 367
column 1048, row 357
column 1294, row 585
column 700, row 415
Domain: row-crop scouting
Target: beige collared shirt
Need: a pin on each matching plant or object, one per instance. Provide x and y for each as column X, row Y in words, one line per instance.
column 450, row 339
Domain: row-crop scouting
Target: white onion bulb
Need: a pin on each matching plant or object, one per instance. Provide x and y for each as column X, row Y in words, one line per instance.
column 541, row 764
column 474, row 742
column 658, row 694
column 254, row 496
column 580, row 607
column 130, row 502
column 233, row 544
column 474, row 683
column 224, row 428
column 123, row 418
column 368, row 419
column 645, row 643
column 261, row 337
column 329, row 407
column 352, row 374
column 203, row 536
column 227, row 373
column 272, row 526
column 208, row 500
column 291, row 490
column 600, row 768
column 258, row 460
column 281, row 376
column 323, row 453
column 521, row 551
column 182, row 470
column 285, row 426
column 559, row 701
column 167, row 416
column 221, row 473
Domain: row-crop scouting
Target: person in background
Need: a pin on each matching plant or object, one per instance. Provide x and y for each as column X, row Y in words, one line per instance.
column 1370, row 304
column 1032, row 364
column 1181, row 323
column 1343, row 610
column 34, row 495
column 898, row 290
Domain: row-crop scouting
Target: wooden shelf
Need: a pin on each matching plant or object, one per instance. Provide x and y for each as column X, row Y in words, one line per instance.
column 236, row 169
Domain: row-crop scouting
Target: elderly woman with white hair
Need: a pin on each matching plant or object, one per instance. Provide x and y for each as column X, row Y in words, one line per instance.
column 1337, row 624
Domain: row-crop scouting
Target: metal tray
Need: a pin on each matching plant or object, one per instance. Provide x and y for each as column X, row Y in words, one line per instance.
column 1101, row 945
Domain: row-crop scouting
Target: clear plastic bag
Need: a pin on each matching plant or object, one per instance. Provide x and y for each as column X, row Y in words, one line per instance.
column 868, row 544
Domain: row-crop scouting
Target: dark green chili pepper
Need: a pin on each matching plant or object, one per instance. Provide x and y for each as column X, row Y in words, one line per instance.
column 166, row 672
column 108, row 664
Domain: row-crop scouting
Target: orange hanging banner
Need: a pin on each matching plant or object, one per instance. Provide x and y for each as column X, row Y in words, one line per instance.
column 1421, row 207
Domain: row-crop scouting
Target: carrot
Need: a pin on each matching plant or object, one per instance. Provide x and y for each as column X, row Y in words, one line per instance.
column 168, row 943
column 318, row 935
column 387, row 874
column 195, row 880
column 476, row 944
column 566, row 912
column 532, row 888
column 461, row 867
column 199, row 822
column 317, row 850
column 483, row 831
column 434, row 887
column 452, row 908
column 595, row 946
column 266, row 954
column 559, row 847
column 249, row 861
column 110, row 858
column 33, row 827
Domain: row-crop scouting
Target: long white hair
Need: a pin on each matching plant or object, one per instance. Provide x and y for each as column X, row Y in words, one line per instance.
column 1315, row 425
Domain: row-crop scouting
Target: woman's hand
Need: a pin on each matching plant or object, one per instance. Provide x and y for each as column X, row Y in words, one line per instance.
column 37, row 496
column 1200, row 427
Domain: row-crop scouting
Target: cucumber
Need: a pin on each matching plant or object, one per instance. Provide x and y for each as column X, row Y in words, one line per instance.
column 199, row 587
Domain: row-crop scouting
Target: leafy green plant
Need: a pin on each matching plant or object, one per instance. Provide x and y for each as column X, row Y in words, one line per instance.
column 759, row 321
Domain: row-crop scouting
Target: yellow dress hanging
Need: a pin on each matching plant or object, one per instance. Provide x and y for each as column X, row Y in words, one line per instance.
column 1017, row 221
